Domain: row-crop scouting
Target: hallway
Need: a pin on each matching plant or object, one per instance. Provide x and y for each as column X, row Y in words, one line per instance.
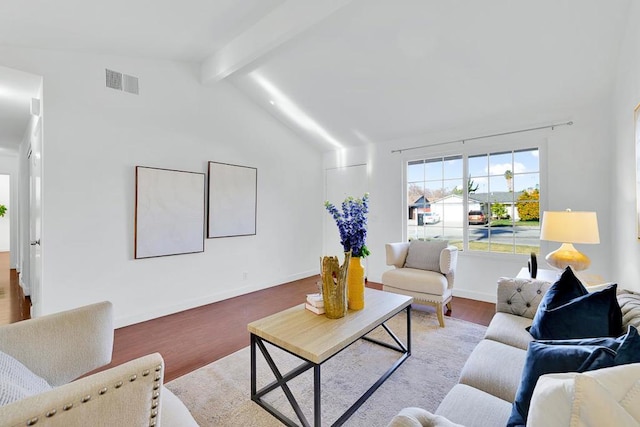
column 13, row 305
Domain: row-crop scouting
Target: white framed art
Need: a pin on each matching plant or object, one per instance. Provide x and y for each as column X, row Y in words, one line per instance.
column 169, row 212
column 233, row 193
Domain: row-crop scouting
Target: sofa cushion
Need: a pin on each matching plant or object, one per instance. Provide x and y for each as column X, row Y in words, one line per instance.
column 594, row 314
column 17, row 381
column 609, row 396
column 425, row 255
column 494, row 368
column 509, row 329
column 545, row 357
column 473, row 408
column 415, row 280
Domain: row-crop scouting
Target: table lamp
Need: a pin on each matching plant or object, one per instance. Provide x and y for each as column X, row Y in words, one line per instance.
column 569, row 227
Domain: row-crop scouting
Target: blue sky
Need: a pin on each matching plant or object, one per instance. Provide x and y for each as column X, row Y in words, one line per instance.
column 487, row 171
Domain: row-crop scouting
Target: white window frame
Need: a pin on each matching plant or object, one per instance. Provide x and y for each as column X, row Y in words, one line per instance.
column 473, row 148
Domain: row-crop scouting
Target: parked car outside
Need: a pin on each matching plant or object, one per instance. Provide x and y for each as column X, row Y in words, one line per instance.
column 431, row 218
column 477, row 217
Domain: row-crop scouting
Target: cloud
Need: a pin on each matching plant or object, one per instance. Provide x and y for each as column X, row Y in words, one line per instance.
column 501, row 168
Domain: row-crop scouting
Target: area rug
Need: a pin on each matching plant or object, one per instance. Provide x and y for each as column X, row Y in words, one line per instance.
column 219, row 393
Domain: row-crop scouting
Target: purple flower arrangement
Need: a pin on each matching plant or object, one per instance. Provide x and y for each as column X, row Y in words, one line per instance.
column 352, row 224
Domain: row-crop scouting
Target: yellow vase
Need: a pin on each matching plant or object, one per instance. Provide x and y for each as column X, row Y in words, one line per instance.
column 355, row 283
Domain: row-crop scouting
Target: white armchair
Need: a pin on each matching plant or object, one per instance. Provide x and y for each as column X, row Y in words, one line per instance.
column 63, row 346
column 426, row 274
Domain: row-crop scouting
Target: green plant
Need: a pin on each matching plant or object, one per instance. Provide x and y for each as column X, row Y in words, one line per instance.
column 499, row 210
column 528, row 205
column 472, row 187
column 3, row 210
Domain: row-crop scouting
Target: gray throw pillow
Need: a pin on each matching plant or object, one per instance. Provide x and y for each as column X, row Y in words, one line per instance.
column 17, row 381
column 425, row 255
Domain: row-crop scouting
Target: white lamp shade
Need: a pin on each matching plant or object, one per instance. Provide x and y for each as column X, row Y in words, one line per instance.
column 570, row 227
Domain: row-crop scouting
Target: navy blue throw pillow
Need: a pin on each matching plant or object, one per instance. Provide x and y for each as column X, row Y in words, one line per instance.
column 578, row 355
column 566, row 288
column 569, row 311
column 589, row 315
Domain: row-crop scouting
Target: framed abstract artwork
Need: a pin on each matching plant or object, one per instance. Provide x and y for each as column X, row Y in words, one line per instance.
column 233, row 193
column 169, row 212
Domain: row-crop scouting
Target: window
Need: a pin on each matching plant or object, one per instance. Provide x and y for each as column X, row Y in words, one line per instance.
column 494, row 209
column 435, row 199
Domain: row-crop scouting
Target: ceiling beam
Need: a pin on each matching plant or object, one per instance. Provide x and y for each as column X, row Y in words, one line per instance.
column 282, row 24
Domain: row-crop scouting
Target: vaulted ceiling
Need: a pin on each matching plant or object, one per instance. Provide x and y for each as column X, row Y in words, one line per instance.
column 352, row 72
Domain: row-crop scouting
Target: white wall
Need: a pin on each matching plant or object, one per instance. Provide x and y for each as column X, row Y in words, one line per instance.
column 577, row 174
column 93, row 137
column 626, row 250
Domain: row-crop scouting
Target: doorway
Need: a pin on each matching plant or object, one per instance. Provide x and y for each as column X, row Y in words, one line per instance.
column 340, row 183
column 20, row 128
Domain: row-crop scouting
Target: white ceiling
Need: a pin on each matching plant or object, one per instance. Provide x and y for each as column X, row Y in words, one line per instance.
column 362, row 70
column 185, row 30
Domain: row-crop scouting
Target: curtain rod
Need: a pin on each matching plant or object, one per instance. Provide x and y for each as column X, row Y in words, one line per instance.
column 483, row 136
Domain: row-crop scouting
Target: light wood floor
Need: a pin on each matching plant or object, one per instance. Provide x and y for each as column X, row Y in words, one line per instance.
column 194, row 338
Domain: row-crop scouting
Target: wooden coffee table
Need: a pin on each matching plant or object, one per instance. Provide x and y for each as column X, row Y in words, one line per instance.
column 315, row 339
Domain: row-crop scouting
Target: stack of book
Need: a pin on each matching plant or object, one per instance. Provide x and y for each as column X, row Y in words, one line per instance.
column 315, row 303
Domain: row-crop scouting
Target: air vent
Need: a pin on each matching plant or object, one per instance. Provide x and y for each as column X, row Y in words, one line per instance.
column 120, row 81
column 114, row 79
column 130, row 84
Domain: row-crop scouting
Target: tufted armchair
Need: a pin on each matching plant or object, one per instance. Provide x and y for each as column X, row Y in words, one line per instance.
column 58, row 348
column 424, row 271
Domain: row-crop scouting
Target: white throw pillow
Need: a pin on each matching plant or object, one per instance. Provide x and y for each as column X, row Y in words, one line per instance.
column 425, row 255
column 418, row 417
column 604, row 397
column 17, row 381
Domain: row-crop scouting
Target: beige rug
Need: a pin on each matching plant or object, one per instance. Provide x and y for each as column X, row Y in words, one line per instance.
column 219, row 394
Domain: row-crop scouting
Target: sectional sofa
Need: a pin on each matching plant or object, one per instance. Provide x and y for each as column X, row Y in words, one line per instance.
column 491, row 376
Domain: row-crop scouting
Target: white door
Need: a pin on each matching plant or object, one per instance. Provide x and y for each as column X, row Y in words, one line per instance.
column 341, row 183
column 24, row 222
column 35, row 220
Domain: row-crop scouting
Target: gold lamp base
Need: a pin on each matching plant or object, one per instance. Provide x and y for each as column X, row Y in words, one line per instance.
column 567, row 255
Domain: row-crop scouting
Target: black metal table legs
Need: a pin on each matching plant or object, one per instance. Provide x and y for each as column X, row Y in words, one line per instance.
column 281, row 380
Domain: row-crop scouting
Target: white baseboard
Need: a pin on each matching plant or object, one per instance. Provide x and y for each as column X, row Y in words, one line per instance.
column 120, row 322
column 478, row 296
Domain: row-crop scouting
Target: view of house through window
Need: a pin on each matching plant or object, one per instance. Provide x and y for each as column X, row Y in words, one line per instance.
column 434, row 196
column 497, row 204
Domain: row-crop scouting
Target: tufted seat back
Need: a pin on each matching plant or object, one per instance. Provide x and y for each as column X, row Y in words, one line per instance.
column 520, row 296
column 630, row 306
